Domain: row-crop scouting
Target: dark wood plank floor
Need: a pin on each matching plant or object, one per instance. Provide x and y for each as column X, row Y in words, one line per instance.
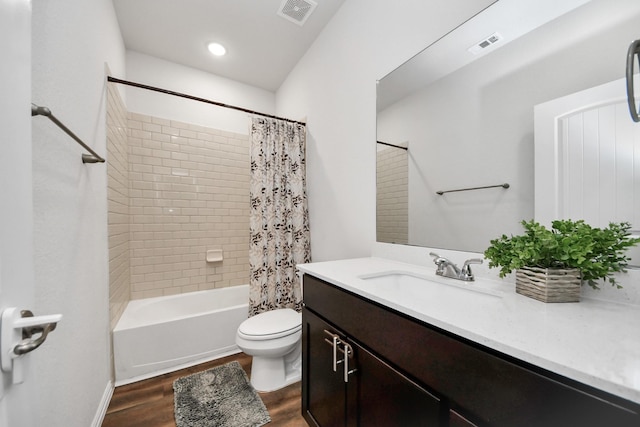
column 149, row 403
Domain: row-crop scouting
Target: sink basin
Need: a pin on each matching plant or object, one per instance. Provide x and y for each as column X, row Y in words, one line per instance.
column 406, row 285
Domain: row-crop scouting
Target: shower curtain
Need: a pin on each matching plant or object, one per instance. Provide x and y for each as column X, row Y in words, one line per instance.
column 279, row 217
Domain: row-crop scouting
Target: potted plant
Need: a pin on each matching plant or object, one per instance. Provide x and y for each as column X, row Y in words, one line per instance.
column 552, row 264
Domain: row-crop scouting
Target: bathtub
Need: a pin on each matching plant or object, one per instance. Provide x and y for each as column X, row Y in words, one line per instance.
column 159, row 335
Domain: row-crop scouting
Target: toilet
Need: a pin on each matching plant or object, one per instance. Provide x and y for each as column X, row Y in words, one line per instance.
column 274, row 339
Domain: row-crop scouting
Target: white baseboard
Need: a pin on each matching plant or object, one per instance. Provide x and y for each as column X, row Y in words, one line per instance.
column 104, row 405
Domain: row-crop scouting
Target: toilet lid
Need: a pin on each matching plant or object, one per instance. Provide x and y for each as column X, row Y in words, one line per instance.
column 280, row 322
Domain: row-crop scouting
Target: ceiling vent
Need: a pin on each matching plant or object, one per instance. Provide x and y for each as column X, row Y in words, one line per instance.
column 485, row 43
column 297, row 11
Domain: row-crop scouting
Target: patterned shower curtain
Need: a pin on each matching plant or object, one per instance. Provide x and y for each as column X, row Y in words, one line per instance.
column 279, row 218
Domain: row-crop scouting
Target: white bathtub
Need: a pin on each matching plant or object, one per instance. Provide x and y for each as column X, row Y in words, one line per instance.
column 163, row 334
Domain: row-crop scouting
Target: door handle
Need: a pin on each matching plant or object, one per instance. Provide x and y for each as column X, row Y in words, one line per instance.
column 27, row 344
column 634, row 50
column 16, row 337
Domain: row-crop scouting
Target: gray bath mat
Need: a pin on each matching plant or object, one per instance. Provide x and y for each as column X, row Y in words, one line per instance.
column 220, row 397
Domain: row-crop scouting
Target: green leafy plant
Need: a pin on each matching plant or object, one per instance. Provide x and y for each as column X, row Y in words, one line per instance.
column 597, row 252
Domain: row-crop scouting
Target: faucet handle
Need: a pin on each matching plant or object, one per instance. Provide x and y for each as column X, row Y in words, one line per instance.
column 439, row 262
column 437, row 259
column 466, row 268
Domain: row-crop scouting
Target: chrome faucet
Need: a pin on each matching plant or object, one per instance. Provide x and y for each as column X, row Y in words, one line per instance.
column 446, row 268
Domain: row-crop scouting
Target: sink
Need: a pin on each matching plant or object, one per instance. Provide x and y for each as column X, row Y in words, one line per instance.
column 404, row 285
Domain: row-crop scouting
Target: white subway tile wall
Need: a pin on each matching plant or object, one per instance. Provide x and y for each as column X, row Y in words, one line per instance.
column 189, row 193
column 176, row 190
column 118, row 205
column 392, row 203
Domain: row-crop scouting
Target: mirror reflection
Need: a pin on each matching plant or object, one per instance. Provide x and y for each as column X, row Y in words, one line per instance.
column 460, row 115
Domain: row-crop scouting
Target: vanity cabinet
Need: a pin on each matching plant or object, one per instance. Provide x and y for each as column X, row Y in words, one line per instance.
column 404, row 372
column 346, row 385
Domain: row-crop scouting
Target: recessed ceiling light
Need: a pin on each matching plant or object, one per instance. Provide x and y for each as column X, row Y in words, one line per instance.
column 217, row 49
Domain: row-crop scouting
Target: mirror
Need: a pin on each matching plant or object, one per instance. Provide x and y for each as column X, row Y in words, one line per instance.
column 463, row 109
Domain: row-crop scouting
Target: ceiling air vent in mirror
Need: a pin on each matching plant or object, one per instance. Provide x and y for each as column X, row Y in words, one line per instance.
column 485, row 43
column 297, row 11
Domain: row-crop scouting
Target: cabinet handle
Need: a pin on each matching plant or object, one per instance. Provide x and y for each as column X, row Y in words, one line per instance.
column 335, row 342
column 347, row 353
column 346, row 350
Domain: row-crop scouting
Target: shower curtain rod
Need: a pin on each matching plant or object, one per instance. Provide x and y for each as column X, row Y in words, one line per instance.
column 393, row 145
column 195, row 98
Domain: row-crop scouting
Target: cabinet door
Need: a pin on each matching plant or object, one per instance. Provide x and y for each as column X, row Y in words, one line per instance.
column 388, row 398
column 323, row 390
column 374, row 394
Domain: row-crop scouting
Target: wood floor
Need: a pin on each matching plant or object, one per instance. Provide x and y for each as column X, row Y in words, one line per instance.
column 149, row 403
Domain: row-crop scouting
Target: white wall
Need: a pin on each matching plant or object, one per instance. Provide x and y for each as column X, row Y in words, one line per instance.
column 72, row 41
column 334, row 85
column 157, row 72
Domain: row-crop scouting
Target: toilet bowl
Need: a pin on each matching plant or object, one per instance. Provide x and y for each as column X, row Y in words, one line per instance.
column 273, row 338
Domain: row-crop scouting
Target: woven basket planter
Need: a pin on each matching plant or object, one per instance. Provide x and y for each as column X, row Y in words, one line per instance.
column 549, row 284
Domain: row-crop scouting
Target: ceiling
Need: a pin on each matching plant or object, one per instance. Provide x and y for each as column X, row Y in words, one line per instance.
column 508, row 18
column 262, row 47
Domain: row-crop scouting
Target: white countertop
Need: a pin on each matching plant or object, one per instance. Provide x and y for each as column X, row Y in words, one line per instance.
column 594, row 342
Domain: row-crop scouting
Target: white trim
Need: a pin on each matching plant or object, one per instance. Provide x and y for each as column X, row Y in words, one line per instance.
column 104, row 405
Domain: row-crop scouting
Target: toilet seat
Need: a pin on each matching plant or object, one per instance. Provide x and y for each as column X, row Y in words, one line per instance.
column 271, row 324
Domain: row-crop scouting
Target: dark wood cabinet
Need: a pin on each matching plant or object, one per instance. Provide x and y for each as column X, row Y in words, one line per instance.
column 409, row 373
column 388, row 398
column 346, row 385
column 325, row 392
